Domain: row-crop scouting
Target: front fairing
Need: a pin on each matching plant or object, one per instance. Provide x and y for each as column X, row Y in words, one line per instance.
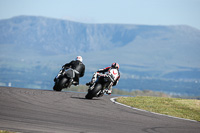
column 104, row 81
column 65, row 73
column 69, row 73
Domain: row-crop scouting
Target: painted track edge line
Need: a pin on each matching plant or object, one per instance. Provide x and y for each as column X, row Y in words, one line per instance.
column 114, row 101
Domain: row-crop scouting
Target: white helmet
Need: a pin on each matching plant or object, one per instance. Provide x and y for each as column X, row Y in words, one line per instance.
column 79, row 58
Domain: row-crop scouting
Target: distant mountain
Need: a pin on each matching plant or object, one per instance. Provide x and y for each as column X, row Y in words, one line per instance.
column 144, row 52
column 62, row 36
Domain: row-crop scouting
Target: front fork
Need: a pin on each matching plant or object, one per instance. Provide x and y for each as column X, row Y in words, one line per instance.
column 70, row 83
column 59, row 74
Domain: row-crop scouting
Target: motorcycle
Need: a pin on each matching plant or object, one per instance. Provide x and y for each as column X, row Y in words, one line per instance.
column 64, row 79
column 100, row 86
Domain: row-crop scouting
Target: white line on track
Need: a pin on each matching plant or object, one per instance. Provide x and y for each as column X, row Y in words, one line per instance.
column 114, row 101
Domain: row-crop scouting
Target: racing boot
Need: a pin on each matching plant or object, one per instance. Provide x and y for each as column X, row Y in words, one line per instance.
column 75, row 83
column 109, row 91
column 88, row 84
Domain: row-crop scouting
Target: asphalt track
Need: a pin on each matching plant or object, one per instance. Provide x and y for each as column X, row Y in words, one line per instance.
column 46, row 111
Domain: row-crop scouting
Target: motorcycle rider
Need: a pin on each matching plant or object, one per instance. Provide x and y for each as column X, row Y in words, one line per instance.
column 114, row 70
column 77, row 65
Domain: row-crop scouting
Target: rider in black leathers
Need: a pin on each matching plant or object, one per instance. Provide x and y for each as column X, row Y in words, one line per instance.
column 76, row 65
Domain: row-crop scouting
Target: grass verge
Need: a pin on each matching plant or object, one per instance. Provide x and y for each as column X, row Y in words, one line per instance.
column 83, row 88
column 182, row 108
column 3, row 131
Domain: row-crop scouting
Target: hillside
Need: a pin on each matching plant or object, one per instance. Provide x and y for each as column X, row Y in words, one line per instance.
column 161, row 58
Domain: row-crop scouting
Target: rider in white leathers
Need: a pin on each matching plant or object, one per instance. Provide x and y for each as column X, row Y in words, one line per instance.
column 113, row 70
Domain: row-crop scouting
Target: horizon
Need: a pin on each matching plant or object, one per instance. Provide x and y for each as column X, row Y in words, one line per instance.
column 96, row 23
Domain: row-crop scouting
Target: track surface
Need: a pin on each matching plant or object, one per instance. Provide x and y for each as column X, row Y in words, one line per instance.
column 36, row 111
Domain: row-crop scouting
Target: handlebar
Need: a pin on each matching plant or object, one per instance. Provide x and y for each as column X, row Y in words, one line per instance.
column 65, row 67
column 68, row 68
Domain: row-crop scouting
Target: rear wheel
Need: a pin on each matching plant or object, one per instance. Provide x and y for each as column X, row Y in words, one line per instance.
column 60, row 84
column 93, row 93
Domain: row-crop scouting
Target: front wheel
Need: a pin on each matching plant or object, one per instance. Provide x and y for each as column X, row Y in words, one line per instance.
column 93, row 93
column 60, row 84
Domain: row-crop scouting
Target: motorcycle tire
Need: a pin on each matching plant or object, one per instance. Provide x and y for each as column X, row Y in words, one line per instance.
column 60, row 85
column 93, row 93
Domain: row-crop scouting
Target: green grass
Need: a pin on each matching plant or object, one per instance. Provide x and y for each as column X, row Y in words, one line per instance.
column 183, row 108
column 3, row 131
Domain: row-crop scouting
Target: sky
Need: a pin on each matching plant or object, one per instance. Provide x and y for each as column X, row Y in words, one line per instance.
column 144, row 12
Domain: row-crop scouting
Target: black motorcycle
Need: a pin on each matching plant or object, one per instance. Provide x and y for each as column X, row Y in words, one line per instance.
column 99, row 87
column 64, row 79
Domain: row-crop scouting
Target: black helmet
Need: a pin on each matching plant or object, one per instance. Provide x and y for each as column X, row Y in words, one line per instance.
column 115, row 65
